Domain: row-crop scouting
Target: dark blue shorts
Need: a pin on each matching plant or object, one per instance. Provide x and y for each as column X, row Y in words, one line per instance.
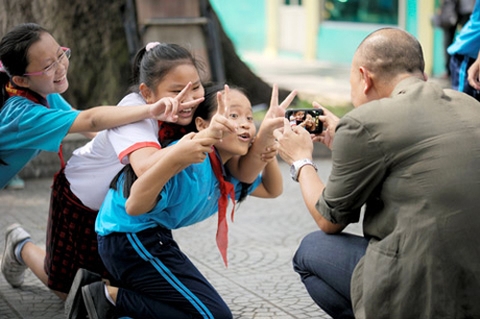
column 157, row 279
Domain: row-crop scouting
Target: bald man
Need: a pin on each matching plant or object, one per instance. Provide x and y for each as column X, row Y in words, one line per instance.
column 409, row 154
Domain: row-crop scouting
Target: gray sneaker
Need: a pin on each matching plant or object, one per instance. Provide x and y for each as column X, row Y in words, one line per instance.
column 74, row 305
column 12, row 270
column 98, row 307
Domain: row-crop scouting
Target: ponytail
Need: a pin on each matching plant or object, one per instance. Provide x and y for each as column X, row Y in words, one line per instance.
column 14, row 48
column 135, row 80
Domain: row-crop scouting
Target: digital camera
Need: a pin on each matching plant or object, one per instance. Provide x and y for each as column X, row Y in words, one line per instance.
column 307, row 118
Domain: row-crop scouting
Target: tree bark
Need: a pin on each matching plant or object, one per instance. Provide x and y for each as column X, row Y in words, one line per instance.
column 99, row 70
column 239, row 74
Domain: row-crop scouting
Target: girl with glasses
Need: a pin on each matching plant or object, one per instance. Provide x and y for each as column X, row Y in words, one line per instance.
column 34, row 117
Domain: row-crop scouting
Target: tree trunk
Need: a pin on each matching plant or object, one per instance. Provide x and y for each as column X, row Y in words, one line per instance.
column 99, row 70
column 238, row 73
column 100, row 66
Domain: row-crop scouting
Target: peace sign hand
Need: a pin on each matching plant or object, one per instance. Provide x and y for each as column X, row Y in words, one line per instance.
column 166, row 108
column 220, row 124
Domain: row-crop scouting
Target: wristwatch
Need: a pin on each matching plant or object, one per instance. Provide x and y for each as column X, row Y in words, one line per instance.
column 297, row 165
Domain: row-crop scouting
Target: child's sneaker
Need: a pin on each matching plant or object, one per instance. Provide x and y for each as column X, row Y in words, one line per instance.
column 16, row 183
column 12, row 269
column 97, row 304
column 74, row 306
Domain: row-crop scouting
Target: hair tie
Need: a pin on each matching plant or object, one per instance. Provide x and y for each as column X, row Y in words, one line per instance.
column 151, row 45
column 2, row 68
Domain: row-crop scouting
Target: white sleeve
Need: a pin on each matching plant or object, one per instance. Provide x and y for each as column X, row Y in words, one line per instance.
column 127, row 138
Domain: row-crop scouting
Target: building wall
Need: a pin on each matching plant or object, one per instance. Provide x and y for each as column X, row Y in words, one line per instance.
column 337, row 41
column 245, row 23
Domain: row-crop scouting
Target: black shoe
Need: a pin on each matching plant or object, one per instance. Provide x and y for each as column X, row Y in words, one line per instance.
column 97, row 304
column 74, row 306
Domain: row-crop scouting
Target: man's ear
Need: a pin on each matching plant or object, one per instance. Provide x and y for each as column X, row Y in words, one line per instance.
column 21, row 81
column 146, row 93
column 200, row 123
column 367, row 80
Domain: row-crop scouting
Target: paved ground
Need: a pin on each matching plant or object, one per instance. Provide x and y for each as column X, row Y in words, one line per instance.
column 318, row 81
column 259, row 282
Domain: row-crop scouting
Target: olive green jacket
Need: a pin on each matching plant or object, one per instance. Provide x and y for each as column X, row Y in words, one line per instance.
column 414, row 160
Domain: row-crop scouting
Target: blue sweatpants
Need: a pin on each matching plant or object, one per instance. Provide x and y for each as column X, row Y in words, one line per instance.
column 459, row 65
column 156, row 279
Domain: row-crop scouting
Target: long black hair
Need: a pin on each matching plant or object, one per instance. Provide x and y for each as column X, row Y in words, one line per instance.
column 151, row 65
column 14, row 48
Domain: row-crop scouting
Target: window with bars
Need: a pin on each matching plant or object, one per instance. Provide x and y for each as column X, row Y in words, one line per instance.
column 364, row 11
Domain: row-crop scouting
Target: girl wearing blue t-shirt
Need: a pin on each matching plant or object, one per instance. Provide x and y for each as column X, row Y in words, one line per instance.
column 136, row 219
column 464, row 51
column 33, row 115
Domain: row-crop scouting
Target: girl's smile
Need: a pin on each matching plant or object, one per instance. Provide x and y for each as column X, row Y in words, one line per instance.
column 40, row 55
column 172, row 83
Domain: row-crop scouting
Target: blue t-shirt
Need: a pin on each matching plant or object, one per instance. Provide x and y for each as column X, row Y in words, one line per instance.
column 187, row 198
column 26, row 128
column 467, row 42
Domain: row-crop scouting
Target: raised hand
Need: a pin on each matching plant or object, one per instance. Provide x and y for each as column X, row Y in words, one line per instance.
column 274, row 117
column 474, row 74
column 277, row 111
column 294, row 142
column 270, row 153
column 330, row 122
column 166, row 108
column 193, row 150
column 220, row 123
column 265, row 141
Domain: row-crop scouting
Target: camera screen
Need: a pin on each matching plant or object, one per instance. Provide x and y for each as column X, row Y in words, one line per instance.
column 308, row 118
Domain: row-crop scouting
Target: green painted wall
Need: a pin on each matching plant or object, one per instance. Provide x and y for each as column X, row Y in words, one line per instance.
column 337, row 41
column 411, row 17
column 244, row 22
column 438, row 49
column 438, row 59
column 438, row 54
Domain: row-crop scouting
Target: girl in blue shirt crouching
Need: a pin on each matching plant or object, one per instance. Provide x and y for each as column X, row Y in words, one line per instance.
column 134, row 224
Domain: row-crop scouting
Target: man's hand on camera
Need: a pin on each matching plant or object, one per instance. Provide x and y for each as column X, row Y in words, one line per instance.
column 294, row 143
column 330, row 122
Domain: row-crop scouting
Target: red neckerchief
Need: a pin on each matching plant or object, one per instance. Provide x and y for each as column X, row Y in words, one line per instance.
column 226, row 188
column 168, row 132
column 28, row 94
column 35, row 98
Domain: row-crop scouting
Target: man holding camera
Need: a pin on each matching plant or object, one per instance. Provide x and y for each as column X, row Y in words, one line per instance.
column 409, row 153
